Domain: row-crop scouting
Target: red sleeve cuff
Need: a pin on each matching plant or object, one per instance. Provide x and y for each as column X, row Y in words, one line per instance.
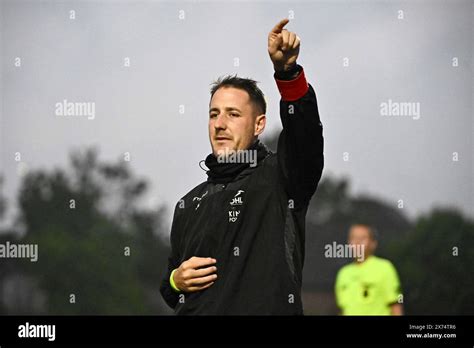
column 294, row 89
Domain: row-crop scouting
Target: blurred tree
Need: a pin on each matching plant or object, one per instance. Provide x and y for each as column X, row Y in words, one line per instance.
column 99, row 251
column 7, row 266
column 436, row 264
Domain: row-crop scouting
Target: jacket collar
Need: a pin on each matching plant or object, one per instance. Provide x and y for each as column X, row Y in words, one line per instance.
column 225, row 169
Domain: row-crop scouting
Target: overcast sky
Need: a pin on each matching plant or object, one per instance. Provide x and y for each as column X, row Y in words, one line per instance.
column 356, row 54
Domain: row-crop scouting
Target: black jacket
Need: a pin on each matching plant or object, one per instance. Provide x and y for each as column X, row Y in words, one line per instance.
column 260, row 249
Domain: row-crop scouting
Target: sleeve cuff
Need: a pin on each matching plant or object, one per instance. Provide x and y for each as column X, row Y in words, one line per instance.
column 294, row 89
column 173, row 285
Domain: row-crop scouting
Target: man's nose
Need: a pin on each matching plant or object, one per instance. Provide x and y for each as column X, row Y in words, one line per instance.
column 219, row 122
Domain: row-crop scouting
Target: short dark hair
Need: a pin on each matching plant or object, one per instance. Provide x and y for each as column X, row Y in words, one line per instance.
column 250, row 86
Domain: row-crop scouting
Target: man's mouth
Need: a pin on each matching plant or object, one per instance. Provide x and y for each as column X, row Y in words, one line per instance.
column 222, row 138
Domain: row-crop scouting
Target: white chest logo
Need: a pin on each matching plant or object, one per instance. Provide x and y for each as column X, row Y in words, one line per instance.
column 236, row 201
column 199, row 200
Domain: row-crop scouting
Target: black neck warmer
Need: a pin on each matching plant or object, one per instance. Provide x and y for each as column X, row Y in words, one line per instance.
column 223, row 172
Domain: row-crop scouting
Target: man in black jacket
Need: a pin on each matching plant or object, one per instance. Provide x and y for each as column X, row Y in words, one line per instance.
column 237, row 239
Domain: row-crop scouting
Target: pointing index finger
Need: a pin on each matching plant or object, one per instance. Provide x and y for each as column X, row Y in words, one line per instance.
column 279, row 27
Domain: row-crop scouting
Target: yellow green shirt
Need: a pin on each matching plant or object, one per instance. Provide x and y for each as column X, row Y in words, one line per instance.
column 367, row 288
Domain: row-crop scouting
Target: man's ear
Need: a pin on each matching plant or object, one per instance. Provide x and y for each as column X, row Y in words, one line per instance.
column 260, row 122
column 374, row 245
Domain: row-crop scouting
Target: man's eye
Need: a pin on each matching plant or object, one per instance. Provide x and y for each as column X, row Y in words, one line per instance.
column 212, row 115
column 234, row 114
